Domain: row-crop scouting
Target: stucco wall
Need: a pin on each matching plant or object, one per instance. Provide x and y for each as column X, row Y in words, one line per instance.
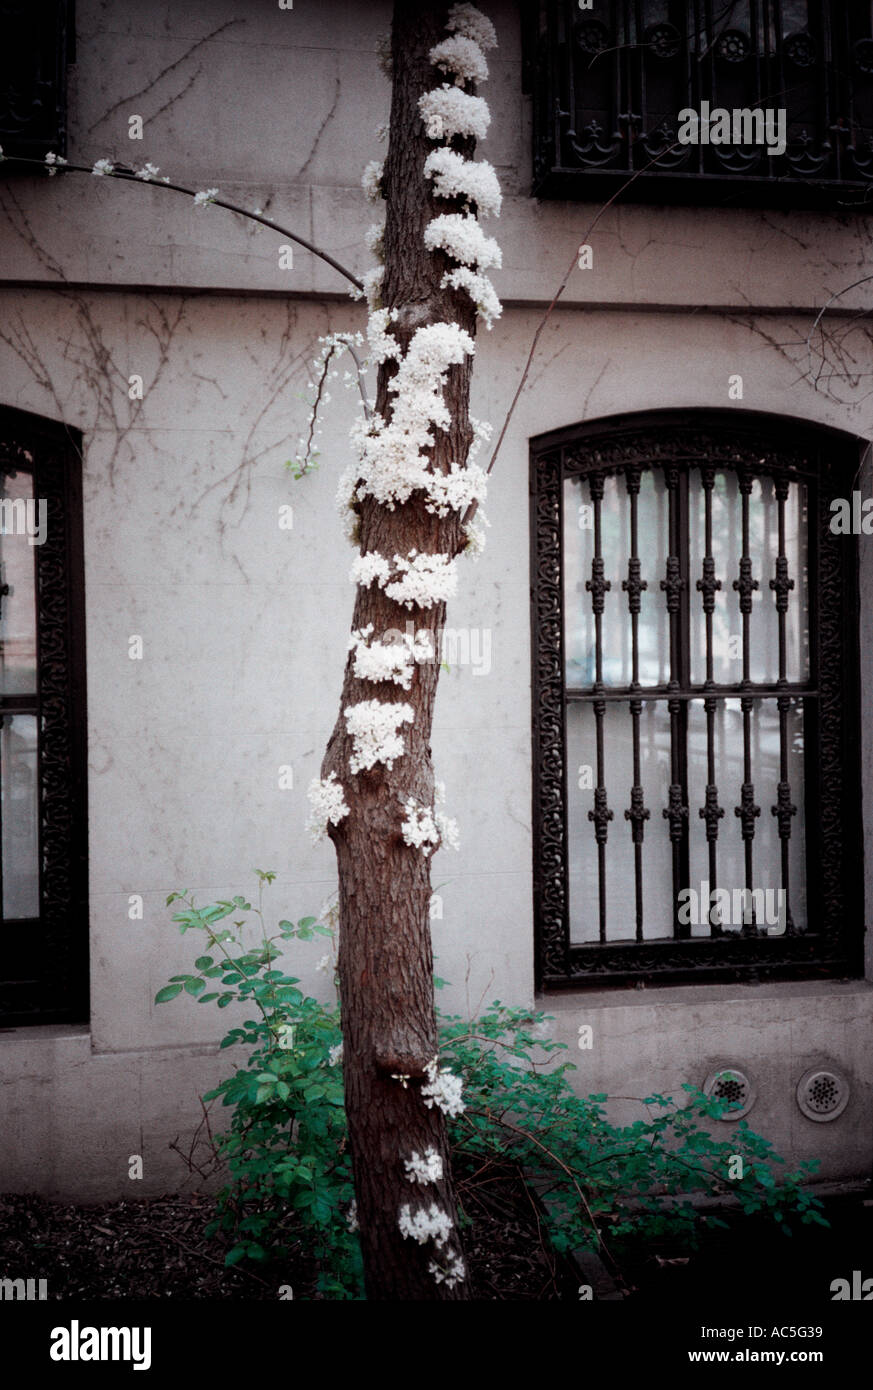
column 244, row 624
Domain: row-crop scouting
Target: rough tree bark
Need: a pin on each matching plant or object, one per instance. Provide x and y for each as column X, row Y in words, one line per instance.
column 385, row 956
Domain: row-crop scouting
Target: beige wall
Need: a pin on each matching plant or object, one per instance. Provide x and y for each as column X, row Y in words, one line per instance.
column 244, row 625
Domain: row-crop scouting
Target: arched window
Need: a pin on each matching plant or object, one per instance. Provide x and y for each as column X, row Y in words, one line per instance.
column 696, row 701
column 43, row 816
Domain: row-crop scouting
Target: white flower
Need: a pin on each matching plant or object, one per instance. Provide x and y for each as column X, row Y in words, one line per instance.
column 447, row 111
column 448, row 829
column 443, row 1090
column 370, row 566
column 201, row 199
column 386, row 661
column 352, row 1216
column 473, row 24
column 419, row 829
column 103, row 166
column 456, row 177
column 371, row 282
column 328, row 805
column 454, row 491
column 323, row 965
column 461, row 56
column 479, row 288
column 426, row 580
column 54, row 162
column 453, row 1273
column 371, row 180
column 393, row 458
column 461, row 237
column 373, row 239
column 424, row 1168
column 382, row 344
column 147, row 172
column 335, row 1054
column 373, row 727
column 428, row 1223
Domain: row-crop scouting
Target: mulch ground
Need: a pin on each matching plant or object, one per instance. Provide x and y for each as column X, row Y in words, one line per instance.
column 156, row 1248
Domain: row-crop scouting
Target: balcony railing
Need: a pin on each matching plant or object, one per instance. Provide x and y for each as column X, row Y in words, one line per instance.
column 610, row 85
column 36, row 39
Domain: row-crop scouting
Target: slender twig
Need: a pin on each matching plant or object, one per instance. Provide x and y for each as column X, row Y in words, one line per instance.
column 129, row 176
column 818, row 318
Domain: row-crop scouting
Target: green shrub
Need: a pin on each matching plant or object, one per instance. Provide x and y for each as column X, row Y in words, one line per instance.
column 604, row 1185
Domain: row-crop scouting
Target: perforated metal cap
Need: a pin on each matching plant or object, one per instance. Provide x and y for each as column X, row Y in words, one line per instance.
column 822, row 1093
column 731, row 1084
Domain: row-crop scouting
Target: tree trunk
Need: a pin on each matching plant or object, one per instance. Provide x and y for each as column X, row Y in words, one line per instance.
column 385, row 956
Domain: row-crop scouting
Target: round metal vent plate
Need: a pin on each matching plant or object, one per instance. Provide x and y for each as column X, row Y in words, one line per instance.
column 822, row 1094
column 731, row 1084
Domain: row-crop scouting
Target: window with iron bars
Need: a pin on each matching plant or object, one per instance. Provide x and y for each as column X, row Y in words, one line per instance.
column 37, row 42
column 696, row 696
column 609, row 84
column 43, row 801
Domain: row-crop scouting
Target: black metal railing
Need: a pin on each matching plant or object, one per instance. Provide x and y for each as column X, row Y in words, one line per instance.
column 610, row 85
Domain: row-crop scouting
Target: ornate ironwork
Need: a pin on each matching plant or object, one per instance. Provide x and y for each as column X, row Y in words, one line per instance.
column 37, row 40
column 44, row 968
column 753, row 447
column 608, row 93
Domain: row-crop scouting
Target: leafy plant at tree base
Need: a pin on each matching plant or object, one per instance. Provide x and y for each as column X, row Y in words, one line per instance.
column 604, row 1185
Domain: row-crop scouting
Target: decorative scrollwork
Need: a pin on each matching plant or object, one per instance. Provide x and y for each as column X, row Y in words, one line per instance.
column 733, row 46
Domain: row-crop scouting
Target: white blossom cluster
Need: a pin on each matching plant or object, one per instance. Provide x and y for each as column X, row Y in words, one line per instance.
column 53, row 162
column 456, row 177
column 352, row 1216
column 466, row 20
column 147, row 173
column 448, row 111
column 419, row 828
column 386, row 661
column 393, row 458
column 371, row 180
column 455, row 490
column 373, row 239
column 461, row 237
column 427, row 1223
column 443, row 1089
column 426, row 580
column 373, row 727
column 328, row 805
column 453, row 1273
column 424, row 1168
column 480, row 290
column 335, row 1054
column 207, row 196
column 425, row 828
column 101, row 167
column 462, row 57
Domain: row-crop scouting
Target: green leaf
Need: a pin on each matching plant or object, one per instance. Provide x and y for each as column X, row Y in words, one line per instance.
column 169, row 992
column 194, row 985
column 203, row 962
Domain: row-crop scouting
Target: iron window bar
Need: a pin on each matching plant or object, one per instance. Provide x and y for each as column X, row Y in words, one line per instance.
column 828, row 942
column 608, row 86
